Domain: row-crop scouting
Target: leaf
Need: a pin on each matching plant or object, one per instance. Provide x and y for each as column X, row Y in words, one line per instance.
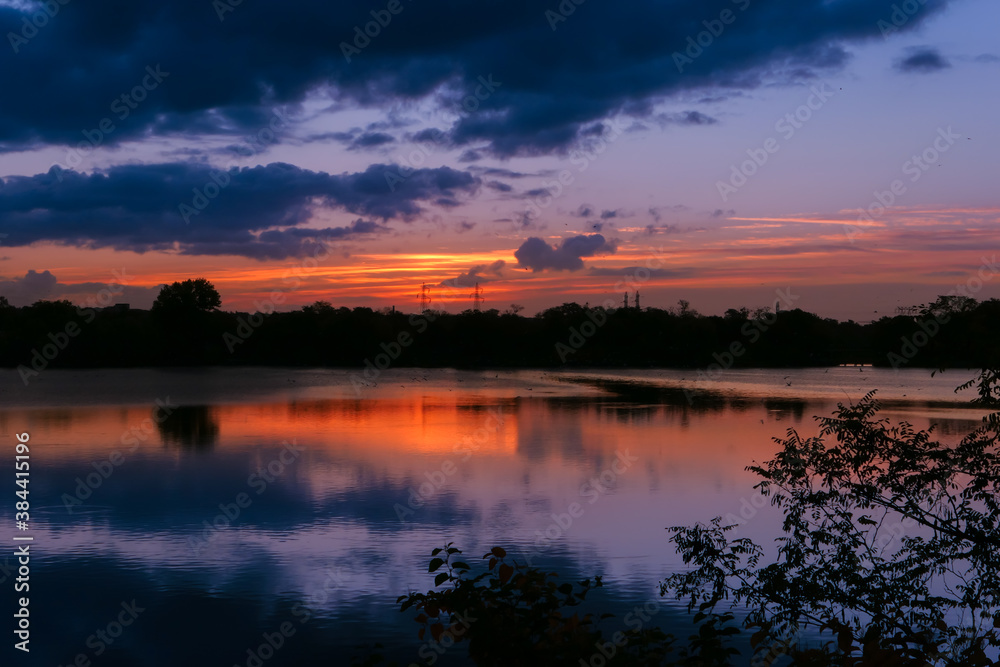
column 461, row 565
column 435, row 564
column 505, row 573
column 436, row 631
column 498, row 552
column 440, row 578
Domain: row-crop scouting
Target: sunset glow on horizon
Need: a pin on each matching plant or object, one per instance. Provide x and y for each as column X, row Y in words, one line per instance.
column 863, row 180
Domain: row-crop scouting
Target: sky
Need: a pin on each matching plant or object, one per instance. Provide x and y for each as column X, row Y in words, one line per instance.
column 723, row 152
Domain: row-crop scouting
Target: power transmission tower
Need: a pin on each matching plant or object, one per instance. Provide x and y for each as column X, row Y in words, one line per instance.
column 425, row 297
column 477, row 298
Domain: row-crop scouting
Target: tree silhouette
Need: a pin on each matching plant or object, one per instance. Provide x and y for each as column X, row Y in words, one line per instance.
column 890, row 542
column 185, row 315
column 189, row 296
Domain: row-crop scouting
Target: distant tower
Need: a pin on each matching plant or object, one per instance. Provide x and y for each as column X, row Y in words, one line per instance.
column 477, row 298
column 626, row 300
column 777, row 307
column 637, row 300
column 425, row 298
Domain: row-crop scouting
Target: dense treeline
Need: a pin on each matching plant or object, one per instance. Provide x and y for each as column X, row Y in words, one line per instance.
column 953, row 332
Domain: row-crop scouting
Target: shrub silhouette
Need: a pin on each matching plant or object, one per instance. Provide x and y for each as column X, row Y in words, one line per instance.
column 891, row 542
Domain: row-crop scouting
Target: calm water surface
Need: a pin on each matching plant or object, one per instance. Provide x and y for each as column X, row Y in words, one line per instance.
column 226, row 503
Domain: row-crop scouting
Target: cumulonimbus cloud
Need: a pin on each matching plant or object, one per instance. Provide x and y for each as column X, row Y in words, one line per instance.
column 520, row 76
column 536, row 254
column 258, row 212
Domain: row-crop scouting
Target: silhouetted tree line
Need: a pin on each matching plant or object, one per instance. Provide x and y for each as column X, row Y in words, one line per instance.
column 185, row 327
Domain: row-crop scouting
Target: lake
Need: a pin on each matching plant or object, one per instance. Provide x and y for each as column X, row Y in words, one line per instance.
column 185, row 516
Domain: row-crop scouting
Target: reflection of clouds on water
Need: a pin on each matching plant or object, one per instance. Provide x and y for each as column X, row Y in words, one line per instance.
column 324, row 532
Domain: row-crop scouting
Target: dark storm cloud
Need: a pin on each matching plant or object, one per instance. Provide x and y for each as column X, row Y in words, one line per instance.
column 685, row 118
column 520, row 81
column 30, row 288
column 923, row 60
column 656, row 212
column 499, row 186
column 372, row 140
column 35, row 286
column 356, row 139
column 481, row 273
column 499, row 172
column 536, row 254
column 143, row 207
